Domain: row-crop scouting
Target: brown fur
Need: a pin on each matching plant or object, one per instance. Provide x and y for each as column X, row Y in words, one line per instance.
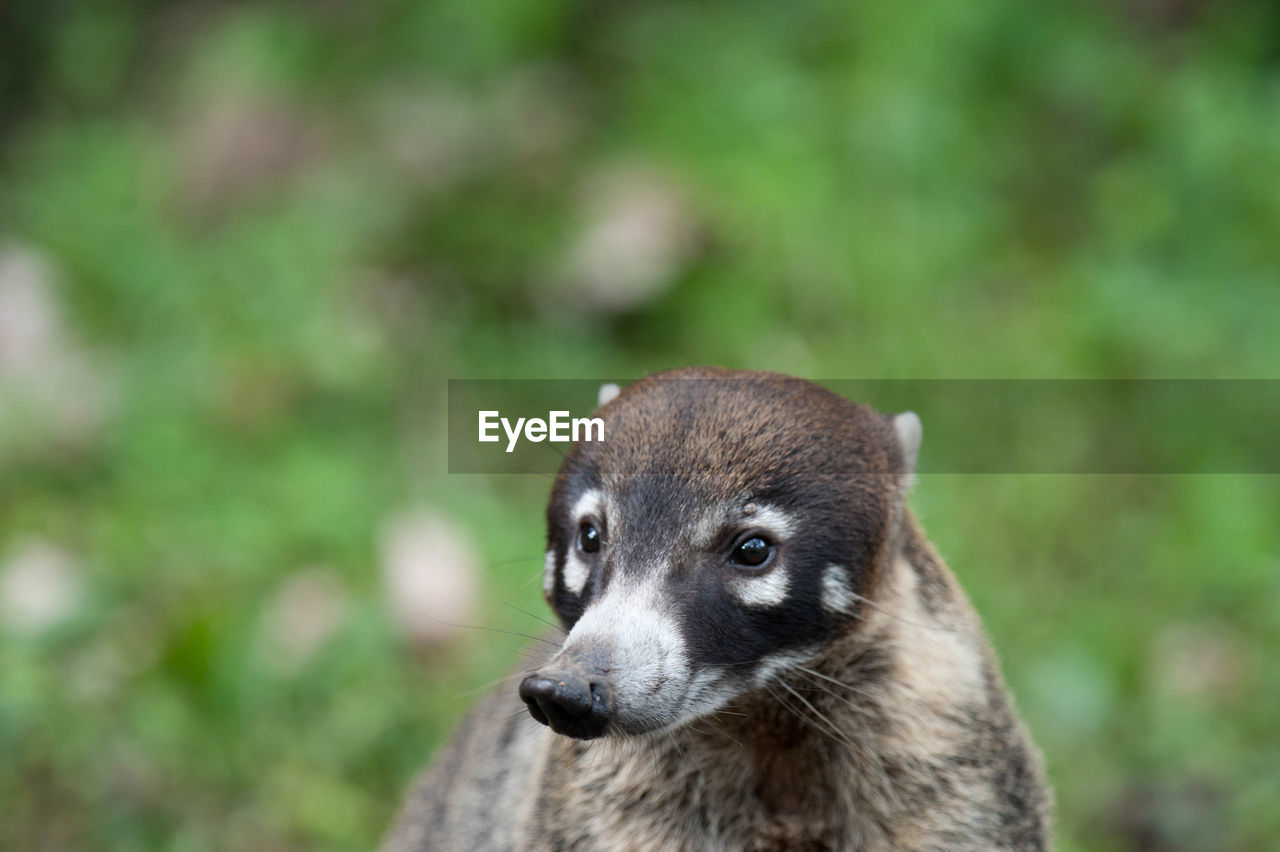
column 898, row 735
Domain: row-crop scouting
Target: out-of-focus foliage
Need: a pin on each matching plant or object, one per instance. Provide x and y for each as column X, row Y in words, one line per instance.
column 243, row 245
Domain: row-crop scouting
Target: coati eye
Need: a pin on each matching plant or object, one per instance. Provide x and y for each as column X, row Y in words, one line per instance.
column 588, row 538
column 752, row 553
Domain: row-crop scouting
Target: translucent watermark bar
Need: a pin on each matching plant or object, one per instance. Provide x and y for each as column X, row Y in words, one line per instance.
column 1061, row 426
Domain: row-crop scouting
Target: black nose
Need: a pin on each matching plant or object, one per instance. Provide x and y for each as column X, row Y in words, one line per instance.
column 568, row 704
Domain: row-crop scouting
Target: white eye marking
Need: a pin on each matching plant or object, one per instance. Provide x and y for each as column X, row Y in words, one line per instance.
column 588, row 504
column 766, row 590
column 549, row 573
column 836, row 594
column 576, row 569
column 769, row 589
column 772, row 519
column 767, row 519
column 608, row 392
column 575, row 572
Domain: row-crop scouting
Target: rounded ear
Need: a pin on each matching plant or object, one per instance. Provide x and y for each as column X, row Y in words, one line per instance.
column 606, row 393
column 909, row 430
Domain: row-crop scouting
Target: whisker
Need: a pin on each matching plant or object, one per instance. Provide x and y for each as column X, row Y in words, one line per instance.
column 786, row 706
column 487, row 686
column 830, row 679
column 521, row 712
column 921, row 625
column 831, row 727
column 853, row 705
column 533, row 615
column 716, row 729
column 533, row 578
column 514, row 561
column 494, row 630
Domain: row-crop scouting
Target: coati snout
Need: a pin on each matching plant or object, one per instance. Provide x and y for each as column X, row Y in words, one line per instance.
column 728, row 524
column 569, row 701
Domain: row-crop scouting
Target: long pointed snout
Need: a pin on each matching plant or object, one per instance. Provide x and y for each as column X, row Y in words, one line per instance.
column 569, row 701
column 623, row 669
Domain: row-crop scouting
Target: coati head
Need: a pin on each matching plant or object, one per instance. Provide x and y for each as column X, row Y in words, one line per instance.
column 728, row 524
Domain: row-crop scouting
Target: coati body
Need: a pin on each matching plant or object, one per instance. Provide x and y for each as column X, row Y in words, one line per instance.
column 763, row 651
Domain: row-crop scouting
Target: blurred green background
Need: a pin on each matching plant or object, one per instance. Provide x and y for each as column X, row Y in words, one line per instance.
column 242, row 247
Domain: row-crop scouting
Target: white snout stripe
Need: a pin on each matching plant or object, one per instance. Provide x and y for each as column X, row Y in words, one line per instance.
column 649, row 657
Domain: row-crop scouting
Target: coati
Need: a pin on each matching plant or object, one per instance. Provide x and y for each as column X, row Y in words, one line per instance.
column 763, row 651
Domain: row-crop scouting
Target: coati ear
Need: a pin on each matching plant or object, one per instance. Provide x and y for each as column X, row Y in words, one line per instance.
column 910, row 431
column 607, row 393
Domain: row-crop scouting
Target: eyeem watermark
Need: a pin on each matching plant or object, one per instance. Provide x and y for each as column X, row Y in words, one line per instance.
column 987, row 426
column 559, row 428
